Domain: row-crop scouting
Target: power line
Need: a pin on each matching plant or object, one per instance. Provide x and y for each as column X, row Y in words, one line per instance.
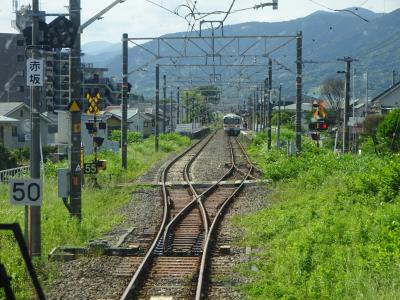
column 165, row 8
column 362, row 4
column 339, row 10
column 229, row 11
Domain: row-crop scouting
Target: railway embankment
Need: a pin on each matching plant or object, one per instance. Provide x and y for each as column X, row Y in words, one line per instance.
column 331, row 229
column 107, row 207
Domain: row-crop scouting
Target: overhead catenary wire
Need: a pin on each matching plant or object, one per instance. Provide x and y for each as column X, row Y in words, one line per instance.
column 339, row 10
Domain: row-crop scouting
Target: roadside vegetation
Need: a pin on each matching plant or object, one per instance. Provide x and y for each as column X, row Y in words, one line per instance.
column 101, row 207
column 332, row 226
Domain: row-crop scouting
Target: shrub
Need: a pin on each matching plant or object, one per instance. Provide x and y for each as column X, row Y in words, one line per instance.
column 7, row 160
column 389, row 130
column 132, row 136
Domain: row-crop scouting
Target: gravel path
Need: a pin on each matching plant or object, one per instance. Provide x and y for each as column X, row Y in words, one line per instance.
column 214, row 161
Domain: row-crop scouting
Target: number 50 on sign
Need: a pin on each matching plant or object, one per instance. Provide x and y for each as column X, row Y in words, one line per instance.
column 26, row 192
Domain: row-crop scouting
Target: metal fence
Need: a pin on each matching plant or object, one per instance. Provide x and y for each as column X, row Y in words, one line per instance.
column 14, row 173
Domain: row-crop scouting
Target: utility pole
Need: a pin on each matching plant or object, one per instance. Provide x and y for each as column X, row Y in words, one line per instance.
column 278, row 133
column 76, row 95
column 346, row 131
column 269, row 104
column 165, row 102
column 157, row 106
column 34, row 211
column 170, row 113
column 299, row 87
column 178, row 105
column 124, row 126
column 394, row 74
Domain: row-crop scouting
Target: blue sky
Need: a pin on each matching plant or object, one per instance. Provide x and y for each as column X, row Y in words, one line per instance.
column 141, row 19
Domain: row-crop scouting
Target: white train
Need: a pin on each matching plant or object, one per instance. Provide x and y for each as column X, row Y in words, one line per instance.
column 232, row 124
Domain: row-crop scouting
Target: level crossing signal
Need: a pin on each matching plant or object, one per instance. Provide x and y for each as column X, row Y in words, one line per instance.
column 318, row 125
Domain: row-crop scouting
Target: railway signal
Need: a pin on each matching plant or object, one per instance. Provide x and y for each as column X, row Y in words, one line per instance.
column 318, row 122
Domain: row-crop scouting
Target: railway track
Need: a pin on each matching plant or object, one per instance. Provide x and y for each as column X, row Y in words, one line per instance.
column 176, row 263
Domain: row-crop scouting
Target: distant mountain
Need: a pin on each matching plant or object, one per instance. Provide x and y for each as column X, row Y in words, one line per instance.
column 97, row 47
column 327, row 36
column 99, row 51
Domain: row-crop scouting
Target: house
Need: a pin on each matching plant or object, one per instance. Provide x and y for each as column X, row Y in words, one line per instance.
column 13, row 68
column 141, row 119
column 387, row 100
column 21, row 130
column 64, row 129
column 8, row 133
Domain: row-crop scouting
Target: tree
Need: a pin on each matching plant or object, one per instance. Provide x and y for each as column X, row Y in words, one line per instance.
column 211, row 93
column 7, row 160
column 333, row 91
column 371, row 124
column 389, row 130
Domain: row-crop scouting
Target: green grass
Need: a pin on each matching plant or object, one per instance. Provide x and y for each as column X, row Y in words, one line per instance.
column 100, row 209
column 331, row 230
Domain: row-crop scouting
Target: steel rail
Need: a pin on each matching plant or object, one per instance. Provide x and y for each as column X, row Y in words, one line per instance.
column 192, row 189
column 218, row 217
column 186, row 210
column 255, row 169
column 135, row 281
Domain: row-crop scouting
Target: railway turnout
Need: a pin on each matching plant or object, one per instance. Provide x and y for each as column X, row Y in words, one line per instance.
column 176, row 263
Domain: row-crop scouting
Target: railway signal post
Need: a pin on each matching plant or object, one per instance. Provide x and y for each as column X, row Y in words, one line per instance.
column 76, row 113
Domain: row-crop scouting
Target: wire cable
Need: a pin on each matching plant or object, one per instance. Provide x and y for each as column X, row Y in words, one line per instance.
column 338, row 10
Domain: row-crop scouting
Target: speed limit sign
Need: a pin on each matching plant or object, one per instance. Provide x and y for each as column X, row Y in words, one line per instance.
column 26, row 192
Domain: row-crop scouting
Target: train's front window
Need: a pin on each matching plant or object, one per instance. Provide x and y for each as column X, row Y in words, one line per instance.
column 231, row 121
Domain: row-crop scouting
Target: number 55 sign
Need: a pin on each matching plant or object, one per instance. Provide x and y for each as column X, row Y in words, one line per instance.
column 26, row 192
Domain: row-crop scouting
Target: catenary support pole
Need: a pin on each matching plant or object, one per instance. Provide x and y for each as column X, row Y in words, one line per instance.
column 157, row 107
column 171, row 107
column 346, row 131
column 76, row 95
column 34, row 211
column 278, row 133
column 177, row 105
column 263, row 107
column 124, row 126
column 257, row 109
column 269, row 105
column 187, row 109
column 366, row 94
column 164, row 102
column 254, row 111
column 299, row 88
